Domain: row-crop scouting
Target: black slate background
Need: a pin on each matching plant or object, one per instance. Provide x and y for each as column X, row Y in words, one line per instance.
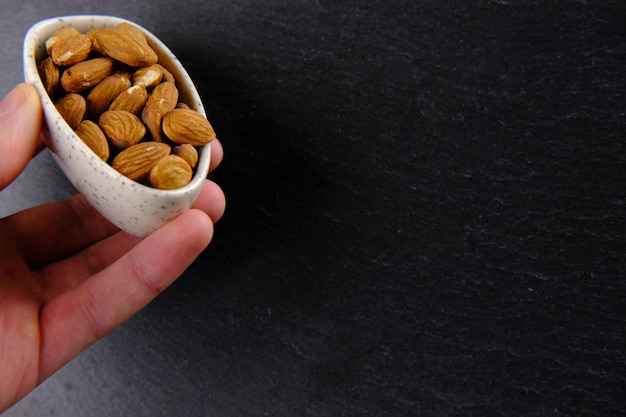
column 426, row 206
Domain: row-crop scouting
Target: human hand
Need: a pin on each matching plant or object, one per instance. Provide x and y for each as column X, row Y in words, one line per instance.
column 68, row 276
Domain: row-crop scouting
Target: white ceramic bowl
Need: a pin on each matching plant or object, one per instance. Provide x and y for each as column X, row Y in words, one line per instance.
column 133, row 207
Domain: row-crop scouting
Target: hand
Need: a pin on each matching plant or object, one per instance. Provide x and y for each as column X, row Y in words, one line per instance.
column 67, row 276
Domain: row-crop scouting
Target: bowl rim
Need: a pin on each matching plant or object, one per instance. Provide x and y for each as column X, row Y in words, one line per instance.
column 31, row 74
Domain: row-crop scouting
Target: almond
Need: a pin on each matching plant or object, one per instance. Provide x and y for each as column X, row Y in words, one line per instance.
column 167, row 76
column 188, row 153
column 58, row 36
column 122, row 128
column 131, row 30
column 149, row 76
column 86, row 74
column 137, row 161
column 129, row 50
column 70, row 50
column 102, row 95
column 50, row 76
column 132, row 99
column 72, row 107
column 170, row 173
column 94, row 138
column 152, row 117
column 95, row 46
column 187, row 126
column 163, row 98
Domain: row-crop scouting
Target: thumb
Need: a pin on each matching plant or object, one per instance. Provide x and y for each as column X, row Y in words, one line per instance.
column 20, row 128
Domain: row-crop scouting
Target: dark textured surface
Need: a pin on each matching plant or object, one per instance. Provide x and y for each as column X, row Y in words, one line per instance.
column 426, row 214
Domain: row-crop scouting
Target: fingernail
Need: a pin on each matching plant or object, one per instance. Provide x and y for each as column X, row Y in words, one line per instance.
column 12, row 101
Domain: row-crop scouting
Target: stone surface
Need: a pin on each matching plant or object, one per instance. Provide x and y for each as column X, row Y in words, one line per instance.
column 425, row 214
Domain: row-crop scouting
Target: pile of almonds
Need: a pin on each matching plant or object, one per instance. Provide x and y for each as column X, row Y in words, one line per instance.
column 110, row 88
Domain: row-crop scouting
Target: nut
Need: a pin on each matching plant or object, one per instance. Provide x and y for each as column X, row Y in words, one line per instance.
column 71, row 49
column 109, row 86
column 163, row 99
column 50, row 75
column 122, row 128
column 188, row 153
column 149, row 76
column 130, row 50
column 132, row 100
column 164, row 96
column 170, row 173
column 86, row 74
column 94, row 138
column 136, row 161
column 187, row 126
column 72, row 107
column 59, row 35
column 102, row 95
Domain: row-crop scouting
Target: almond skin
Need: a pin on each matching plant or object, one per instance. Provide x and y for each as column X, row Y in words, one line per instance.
column 187, row 126
column 58, row 36
column 188, row 153
column 72, row 107
column 70, row 50
column 122, row 128
column 94, row 138
column 129, row 50
column 86, row 74
column 131, row 30
column 163, row 98
column 50, row 76
column 137, row 161
column 149, row 76
column 132, row 100
column 170, row 173
column 102, row 95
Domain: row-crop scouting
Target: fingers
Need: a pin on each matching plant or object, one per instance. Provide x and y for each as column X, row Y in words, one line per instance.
column 217, row 154
column 79, row 317
column 88, row 252
column 53, row 231
column 211, row 200
column 20, row 126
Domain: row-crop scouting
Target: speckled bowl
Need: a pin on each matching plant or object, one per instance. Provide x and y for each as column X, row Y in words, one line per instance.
column 133, row 207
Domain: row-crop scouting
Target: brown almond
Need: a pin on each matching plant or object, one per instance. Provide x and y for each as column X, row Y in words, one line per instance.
column 50, row 76
column 188, row 153
column 187, row 126
column 122, row 128
column 167, row 76
column 58, row 36
column 94, row 138
column 86, row 74
column 95, row 46
column 164, row 96
column 133, row 99
column 152, row 117
column 70, row 50
column 72, row 107
column 149, row 76
column 170, row 173
column 131, row 30
column 137, row 161
column 102, row 95
column 127, row 49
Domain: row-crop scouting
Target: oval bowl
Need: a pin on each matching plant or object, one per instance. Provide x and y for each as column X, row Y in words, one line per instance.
column 133, row 207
